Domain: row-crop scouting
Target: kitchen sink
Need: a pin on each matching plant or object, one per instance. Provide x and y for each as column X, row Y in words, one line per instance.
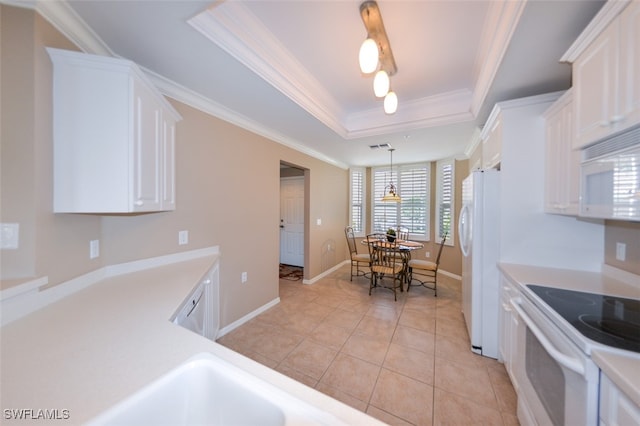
column 210, row 391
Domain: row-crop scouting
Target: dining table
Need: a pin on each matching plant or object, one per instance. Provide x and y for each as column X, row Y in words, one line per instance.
column 403, row 248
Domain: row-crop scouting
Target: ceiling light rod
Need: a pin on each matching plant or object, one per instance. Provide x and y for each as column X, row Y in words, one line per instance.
column 375, row 29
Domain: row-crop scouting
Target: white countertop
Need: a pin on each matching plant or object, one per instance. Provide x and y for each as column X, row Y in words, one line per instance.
column 98, row 346
column 623, row 370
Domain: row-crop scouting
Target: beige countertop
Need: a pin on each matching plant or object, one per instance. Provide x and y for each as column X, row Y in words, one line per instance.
column 623, row 370
column 101, row 344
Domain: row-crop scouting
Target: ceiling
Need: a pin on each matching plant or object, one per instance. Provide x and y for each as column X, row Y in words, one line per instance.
column 289, row 70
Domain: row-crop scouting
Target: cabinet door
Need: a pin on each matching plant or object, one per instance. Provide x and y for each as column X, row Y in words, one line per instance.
column 630, row 65
column 168, row 163
column 147, row 154
column 595, row 73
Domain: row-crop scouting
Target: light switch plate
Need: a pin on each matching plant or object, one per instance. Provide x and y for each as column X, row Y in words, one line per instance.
column 9, row 235
column 94, row 249
column 621, row 251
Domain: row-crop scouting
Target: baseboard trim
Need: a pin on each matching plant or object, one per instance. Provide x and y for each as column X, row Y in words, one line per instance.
column 325, row 273
column 246, row 318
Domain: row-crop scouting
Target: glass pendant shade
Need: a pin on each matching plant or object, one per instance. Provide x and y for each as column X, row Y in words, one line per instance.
column 368, row 56
column 381, row 84
column 390, row 103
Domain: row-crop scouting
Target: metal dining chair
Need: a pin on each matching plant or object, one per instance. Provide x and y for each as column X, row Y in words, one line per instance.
column 385, row 265
column 425, row 272
column 357, row 259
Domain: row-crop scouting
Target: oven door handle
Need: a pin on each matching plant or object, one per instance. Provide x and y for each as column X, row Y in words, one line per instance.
column 572, row 364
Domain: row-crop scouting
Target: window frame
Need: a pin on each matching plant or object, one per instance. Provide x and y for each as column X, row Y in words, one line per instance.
column 363, row 197
column 440, row 165
column 398, row 172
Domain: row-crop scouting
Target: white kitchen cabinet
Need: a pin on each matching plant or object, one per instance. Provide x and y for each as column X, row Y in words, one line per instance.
column 616, row 408
column 606, row 83
column 562, row 162
column 113, row 137
column 491, row 137
column 509, row 328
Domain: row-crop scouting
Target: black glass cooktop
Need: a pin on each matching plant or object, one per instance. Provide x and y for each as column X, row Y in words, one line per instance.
column 610, row 320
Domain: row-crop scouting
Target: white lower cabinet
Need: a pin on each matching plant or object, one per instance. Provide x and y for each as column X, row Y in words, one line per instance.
column 509, row 329
column 113, row 137
column 616, row 408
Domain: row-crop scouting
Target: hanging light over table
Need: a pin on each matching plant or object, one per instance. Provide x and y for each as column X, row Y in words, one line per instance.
column 390, row 191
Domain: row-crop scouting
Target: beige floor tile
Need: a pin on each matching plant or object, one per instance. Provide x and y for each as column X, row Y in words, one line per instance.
column 367, row 348
column 342, row 396
column 352, row 376
column 310, row 359
column 468, row 382
column 376, row 327
column 330, row 335
column 403, row 397
column 410, row 362
column 452, row 409
column 344, row 318
column 420, row 319
column 383, row 416
column 456, row 350
column 333, row 336
column 415, row 339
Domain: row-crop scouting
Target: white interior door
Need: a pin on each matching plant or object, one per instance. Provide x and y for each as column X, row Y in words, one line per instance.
column 292, row 221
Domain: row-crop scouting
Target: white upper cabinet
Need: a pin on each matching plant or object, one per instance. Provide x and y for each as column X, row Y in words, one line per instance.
column 605, row 76
column 491, row 137
column 114, row 137
column 562, row 162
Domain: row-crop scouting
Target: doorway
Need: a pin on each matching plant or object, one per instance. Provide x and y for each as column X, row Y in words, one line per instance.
column 292, row 214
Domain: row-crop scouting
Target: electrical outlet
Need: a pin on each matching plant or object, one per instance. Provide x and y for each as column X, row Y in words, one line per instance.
column 94, row 249
column 183, row 237
column 9, row 235
column 243, row 277
column 621, row 251
column 427, row 254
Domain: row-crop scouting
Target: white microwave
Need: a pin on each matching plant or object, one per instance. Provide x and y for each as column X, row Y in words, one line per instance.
column 610, row 178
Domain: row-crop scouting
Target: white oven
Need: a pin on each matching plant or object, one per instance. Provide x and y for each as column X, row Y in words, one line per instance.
column 558, row 382
column 610, row 178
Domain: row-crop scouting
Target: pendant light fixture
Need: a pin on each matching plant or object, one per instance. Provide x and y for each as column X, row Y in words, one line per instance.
column 390, row 191
column 390, row 102
column 375, row 53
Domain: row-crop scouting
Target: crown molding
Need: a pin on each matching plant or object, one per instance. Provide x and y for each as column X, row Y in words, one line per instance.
column 503, row 17
column 447, row 108
column 610, row 10
column 208, row 106
column 232, row 27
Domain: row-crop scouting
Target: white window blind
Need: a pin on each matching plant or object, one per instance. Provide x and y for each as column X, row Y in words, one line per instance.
column 445, row 200
column 356, row 197
column 412, row 182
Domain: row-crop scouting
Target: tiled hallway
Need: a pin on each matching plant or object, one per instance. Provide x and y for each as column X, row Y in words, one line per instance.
column 404, row 362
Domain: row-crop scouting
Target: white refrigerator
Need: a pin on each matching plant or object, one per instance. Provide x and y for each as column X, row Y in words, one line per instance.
column 479, row 235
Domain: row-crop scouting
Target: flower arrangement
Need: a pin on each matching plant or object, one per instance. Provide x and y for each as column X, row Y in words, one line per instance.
column 391, row 235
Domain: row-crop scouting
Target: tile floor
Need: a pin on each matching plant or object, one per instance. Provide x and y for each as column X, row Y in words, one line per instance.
column 405, row 363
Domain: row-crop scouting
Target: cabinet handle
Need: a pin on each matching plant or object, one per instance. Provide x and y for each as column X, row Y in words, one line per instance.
column 617, row 118
column 139, row 203
column 605, row 123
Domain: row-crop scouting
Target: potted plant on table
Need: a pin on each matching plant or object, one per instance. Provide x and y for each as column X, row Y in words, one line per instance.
column 391, row 235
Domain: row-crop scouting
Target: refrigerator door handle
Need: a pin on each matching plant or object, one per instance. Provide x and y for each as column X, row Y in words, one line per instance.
column 463, row 230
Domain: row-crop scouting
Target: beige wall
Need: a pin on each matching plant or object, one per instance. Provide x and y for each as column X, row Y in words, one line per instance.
column 227, row 190
column 627, row 233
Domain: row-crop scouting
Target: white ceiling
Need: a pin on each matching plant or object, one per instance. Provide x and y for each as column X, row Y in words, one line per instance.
column 289, row 69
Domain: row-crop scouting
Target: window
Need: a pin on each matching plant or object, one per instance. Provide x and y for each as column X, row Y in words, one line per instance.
column 445, row 200
column 412, row 213
column 356, row 197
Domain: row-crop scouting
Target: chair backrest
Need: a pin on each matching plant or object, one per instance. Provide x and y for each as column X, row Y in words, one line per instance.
column 382, row 252
column 402, row 233
column 351, row 240
column 444, row 238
